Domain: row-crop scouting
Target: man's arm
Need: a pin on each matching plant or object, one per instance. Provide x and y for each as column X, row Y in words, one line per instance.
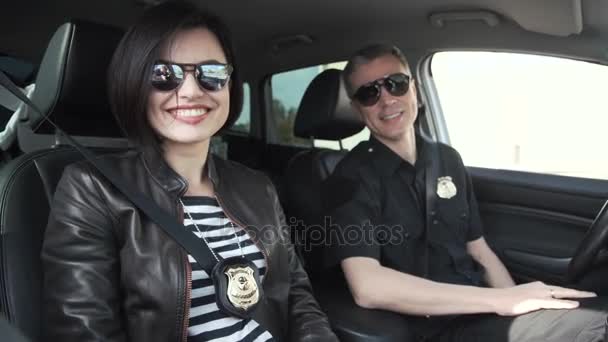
column 374, row 286
column 496, row 274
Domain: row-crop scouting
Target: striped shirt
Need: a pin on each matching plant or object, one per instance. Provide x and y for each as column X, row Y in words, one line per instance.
column 206, row 322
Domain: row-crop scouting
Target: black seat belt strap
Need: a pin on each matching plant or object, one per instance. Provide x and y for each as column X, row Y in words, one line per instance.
column 430, row 180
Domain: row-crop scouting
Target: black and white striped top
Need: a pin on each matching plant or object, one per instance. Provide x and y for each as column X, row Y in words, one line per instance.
column 206, row 322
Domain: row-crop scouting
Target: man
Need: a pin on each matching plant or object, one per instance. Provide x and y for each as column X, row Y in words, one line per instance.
column 444, row 277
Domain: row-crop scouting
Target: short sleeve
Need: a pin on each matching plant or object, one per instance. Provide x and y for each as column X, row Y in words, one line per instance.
column 351, row 210
column 475, row 226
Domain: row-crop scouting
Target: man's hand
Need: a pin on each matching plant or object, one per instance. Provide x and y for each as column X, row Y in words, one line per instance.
column 534, row 296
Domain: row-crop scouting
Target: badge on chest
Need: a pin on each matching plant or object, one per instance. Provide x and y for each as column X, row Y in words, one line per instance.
column 242, row 287
column 445, row 187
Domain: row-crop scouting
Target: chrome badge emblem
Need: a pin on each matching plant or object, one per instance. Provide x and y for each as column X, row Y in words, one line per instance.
column 445, row 187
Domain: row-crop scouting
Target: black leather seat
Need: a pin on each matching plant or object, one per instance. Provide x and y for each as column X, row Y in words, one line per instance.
column 70, row 86
column 325, row 113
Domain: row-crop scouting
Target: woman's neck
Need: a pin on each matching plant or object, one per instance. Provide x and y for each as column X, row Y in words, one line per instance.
column 189, row 161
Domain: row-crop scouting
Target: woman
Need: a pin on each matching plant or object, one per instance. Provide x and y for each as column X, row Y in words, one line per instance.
column 111, row 274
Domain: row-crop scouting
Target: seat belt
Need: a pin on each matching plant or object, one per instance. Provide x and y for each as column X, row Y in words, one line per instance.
column 430, row 181
column 177, row 231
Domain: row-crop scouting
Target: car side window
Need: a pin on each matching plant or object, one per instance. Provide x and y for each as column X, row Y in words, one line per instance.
column 22, row 74
column 287, row 91
column 524, row 112
column 243, row 124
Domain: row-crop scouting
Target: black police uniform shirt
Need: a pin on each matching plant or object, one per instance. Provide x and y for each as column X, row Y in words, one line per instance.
column 376, row 204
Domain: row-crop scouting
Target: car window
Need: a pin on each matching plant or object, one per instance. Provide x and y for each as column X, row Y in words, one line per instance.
column 524, row 112
column 8, row 105
column 21, row 73
column 243, row 124
column 287, row 91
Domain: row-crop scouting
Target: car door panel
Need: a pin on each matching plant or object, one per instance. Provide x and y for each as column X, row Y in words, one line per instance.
column 535, row 222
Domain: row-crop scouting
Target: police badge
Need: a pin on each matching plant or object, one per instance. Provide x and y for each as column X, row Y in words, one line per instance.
column 242, row 288
column 445, row 187
column 237, row 286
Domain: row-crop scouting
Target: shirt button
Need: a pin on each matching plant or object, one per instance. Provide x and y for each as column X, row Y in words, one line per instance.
column 435, row 222
column 371, row 149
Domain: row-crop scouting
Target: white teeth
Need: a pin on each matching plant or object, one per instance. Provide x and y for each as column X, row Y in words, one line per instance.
column 190, row 112
column 388, row 117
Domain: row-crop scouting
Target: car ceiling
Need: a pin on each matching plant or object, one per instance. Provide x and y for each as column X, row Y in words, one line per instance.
column 277, row 35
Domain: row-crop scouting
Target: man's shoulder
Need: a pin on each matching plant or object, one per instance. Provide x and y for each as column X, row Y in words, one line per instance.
column 354, row 160
column 447, row 153
column 353, row 173
column 451, row 156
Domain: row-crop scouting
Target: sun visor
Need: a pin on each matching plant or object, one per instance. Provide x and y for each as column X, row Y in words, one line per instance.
column 552, row 17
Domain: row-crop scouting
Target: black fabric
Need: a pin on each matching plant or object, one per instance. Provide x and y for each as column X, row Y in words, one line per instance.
column 71, row 83
column 376, row 202
column 432, row 162
column 305, row 173
column 325, row 111
column 585, row 324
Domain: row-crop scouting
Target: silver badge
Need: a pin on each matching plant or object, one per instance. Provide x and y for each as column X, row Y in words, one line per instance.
column 445, row 187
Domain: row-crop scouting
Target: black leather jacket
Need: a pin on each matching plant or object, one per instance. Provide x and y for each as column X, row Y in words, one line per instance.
column 110, row 274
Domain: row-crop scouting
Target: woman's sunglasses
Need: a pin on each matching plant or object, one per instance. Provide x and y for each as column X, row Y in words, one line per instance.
column 369, row 93
column 210, row 76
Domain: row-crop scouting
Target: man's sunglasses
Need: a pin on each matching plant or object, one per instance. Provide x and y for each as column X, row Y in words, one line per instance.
column 369, row 93
column 210, row 76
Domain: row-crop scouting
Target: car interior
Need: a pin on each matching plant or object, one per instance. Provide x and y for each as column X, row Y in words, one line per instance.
column 544, row 226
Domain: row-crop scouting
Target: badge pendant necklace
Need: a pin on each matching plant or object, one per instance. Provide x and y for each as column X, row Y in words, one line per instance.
column 243, row 290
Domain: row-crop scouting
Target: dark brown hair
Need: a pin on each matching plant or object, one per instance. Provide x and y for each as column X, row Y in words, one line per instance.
column 129, row 72
column 366, row 55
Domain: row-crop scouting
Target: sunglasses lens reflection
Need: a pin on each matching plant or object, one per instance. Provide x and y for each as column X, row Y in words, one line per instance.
column 395, row 84
column 211, row 77
column 166, row 77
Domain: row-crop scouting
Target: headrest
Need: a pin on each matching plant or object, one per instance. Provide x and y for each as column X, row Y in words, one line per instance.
column 71, row 81
column 325, row 111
